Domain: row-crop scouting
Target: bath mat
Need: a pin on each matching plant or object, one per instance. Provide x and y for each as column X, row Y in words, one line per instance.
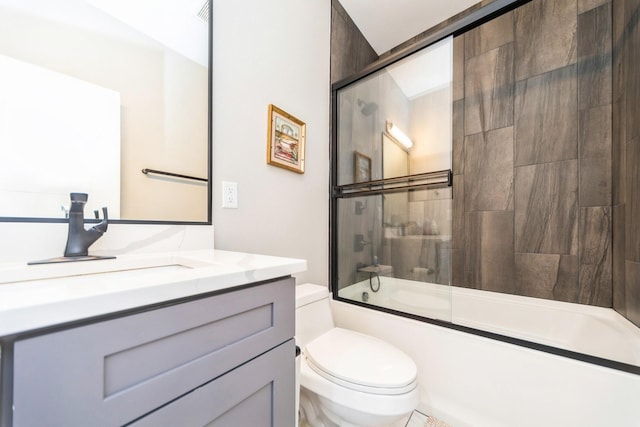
column 418, row 419
column 434, row 422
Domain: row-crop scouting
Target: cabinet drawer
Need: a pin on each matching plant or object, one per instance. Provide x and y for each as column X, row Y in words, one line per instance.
column 259, row 393
column 113, row 372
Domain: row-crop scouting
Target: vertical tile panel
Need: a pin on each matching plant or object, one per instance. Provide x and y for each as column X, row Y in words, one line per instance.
column 596, row 256
column 457, row 134
column 595, row 156
column 489, row 170
column 632, row 214
column 547, row 276
column 618, row 154
column 458, row 236
column 546, row 117
column 546, row 208
column 457, row 269
column 545, row 36
column 566, row 288
column 489, row 255
column 618, row 164
column 595, row 132
column 458, row 229
column 458, row 67
column 632, row 278
column 488, row 86
column 631, row 146
column 618, row 263
column 492, row 34
column 594, row 57
column 595, row 181
column 632, row 82
column 536, row 274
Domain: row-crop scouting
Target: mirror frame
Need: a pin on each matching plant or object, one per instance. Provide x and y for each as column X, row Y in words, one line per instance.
column 209, row 159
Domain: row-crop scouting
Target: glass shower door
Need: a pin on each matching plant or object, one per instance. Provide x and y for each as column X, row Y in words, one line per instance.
column 393, row 194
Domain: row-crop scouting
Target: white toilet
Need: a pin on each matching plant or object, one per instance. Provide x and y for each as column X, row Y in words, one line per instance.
column 348, row 378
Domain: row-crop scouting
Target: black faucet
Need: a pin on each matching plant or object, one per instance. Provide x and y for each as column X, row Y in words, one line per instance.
column 79, row 239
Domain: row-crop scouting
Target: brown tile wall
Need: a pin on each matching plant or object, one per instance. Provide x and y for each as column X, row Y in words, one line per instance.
column 625, row 158
column 532, row 159
column 350, row 51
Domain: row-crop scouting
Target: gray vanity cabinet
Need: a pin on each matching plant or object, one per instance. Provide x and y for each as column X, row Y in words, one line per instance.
column 250, row 395
column 222, row 360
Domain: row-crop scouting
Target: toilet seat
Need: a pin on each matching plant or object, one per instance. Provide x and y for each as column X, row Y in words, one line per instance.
column 361, row 362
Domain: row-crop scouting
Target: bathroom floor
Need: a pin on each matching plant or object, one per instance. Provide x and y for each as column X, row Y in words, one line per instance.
column 416, row 419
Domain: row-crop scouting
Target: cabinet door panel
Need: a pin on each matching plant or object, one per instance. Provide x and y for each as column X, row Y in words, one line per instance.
column 115, row 371
column 259, row 393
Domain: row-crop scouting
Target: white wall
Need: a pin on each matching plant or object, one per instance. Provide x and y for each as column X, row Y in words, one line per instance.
column 272, row 52
column 471, row 381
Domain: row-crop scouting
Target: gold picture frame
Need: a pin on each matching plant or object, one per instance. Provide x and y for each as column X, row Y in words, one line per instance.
column 286, row 140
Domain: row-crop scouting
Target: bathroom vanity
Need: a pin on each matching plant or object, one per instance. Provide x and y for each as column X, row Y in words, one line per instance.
column 185, row 339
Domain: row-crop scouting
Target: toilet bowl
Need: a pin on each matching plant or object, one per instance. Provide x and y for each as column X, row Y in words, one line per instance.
column 348, row 378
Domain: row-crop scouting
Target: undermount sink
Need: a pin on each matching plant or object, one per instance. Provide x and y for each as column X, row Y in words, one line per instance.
column 132, row 266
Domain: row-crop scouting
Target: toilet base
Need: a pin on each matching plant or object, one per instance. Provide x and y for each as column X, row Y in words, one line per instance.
column 316, row 411
column 311, row 415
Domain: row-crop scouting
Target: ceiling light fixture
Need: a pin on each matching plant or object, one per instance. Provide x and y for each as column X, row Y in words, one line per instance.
column 398, row 135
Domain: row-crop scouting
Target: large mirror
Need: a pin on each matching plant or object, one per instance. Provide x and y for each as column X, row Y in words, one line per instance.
column 107, row 97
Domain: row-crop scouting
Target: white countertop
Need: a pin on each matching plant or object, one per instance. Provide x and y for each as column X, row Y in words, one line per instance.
column 38, row 296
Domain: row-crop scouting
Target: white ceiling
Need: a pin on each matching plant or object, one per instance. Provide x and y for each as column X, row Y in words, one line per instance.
column 173, row 23
column 387, row 23
column 424, row 71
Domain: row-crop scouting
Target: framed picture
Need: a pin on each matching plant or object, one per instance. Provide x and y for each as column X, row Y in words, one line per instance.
column 361, row 167
column 286, row 139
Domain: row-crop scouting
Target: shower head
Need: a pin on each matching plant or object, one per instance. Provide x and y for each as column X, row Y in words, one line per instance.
column 367, row 108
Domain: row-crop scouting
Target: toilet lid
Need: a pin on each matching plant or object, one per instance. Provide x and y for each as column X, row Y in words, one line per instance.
column 361, row 362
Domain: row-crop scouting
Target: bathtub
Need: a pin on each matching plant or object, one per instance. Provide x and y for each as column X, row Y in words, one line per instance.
column 595, row 331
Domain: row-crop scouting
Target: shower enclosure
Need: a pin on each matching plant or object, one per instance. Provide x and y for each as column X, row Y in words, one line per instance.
column 485, row 179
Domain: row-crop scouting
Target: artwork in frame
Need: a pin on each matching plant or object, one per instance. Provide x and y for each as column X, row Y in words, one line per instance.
column 361, row 167
column 286, row 140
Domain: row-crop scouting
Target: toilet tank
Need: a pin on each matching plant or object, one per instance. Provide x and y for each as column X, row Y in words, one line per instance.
column 313, row 313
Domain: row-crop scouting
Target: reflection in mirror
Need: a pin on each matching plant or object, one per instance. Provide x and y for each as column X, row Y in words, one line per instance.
column 412, row 95
column 94, row 91
column 395, row 157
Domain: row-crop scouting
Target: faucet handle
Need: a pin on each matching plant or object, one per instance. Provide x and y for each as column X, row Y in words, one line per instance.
column 102, row 226
column 105, row 219
column 96, row 214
